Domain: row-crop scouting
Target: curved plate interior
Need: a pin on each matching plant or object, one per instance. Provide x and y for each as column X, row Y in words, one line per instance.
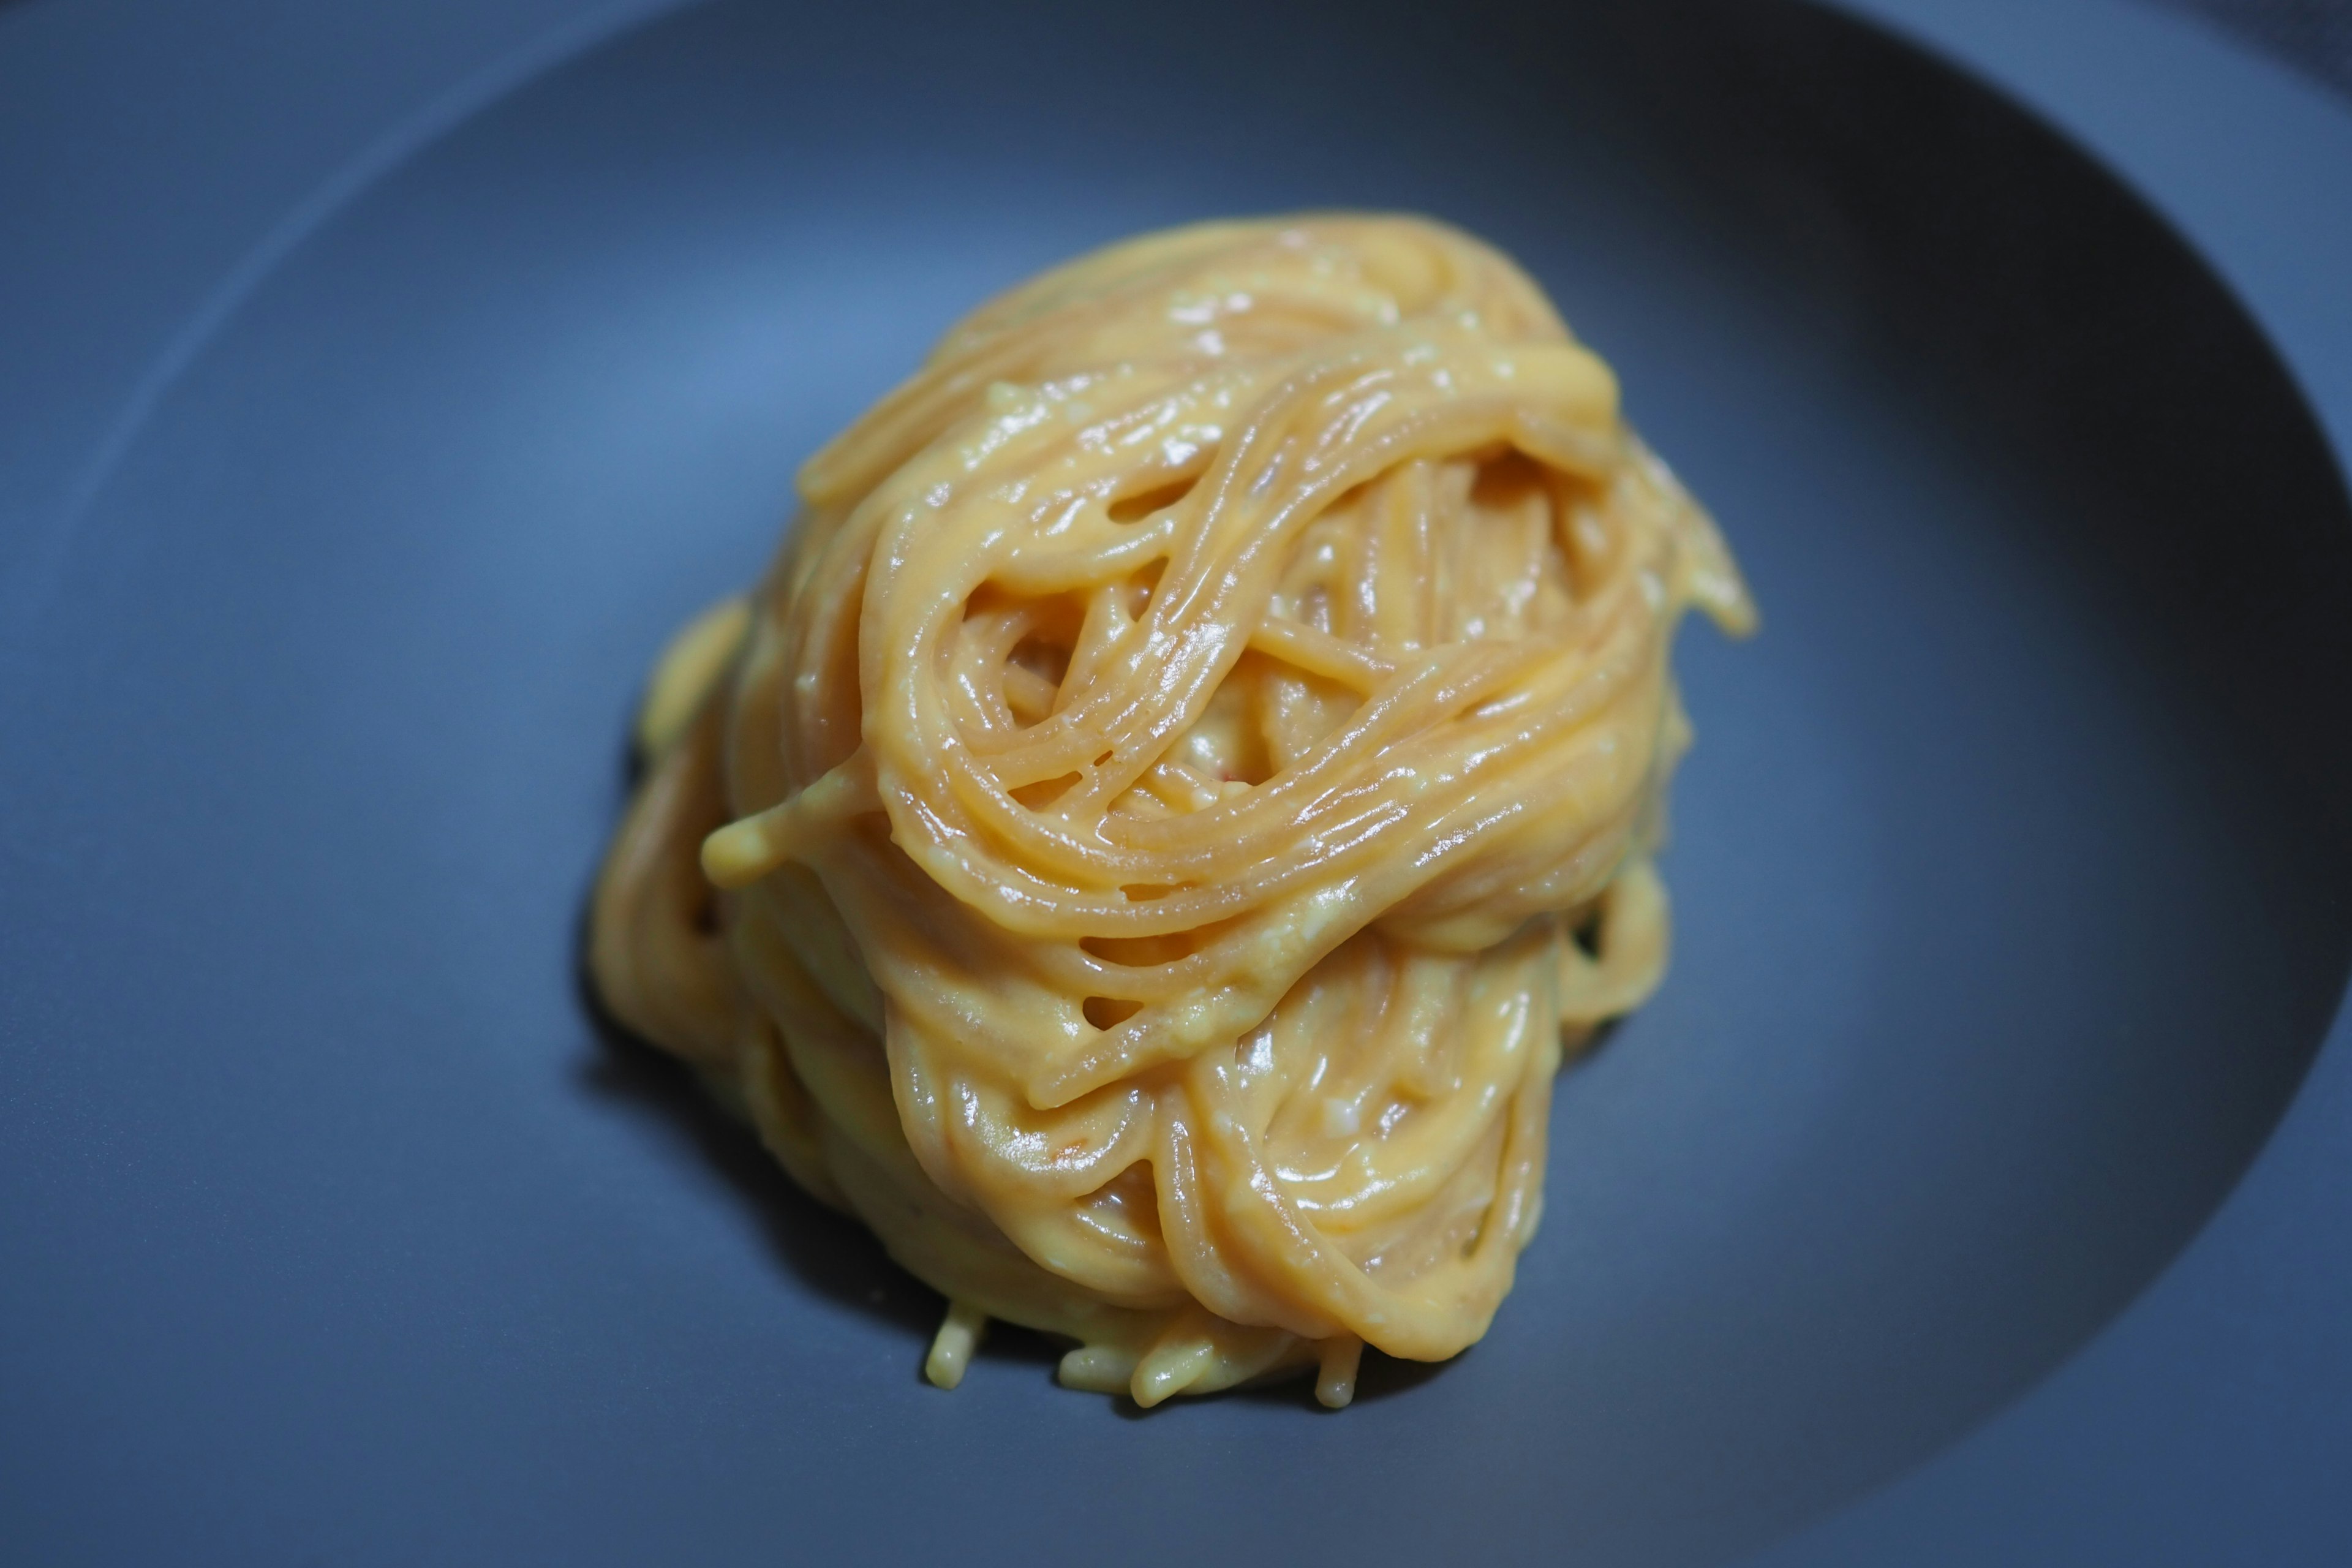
column 2006, row 863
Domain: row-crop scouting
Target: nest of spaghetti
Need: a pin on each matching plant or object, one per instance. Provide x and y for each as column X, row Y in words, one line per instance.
column 1191, row 775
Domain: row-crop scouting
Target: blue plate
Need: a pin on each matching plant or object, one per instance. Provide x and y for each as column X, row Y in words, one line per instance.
column 373, row 411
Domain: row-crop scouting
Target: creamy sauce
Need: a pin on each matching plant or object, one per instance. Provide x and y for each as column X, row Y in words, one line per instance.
column 1191, row 771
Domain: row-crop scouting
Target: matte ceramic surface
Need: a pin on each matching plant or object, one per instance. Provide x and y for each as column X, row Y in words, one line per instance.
column 2007, row 867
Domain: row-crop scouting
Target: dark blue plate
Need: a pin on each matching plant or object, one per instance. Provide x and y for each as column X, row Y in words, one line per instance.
column 2014, row 869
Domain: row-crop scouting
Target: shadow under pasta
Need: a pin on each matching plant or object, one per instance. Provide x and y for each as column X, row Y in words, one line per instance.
column 2006, row 865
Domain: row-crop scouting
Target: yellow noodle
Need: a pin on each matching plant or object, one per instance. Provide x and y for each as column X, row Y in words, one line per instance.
column 1192, row 768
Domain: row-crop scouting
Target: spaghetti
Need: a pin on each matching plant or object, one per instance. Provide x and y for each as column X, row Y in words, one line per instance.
column 1146, row 846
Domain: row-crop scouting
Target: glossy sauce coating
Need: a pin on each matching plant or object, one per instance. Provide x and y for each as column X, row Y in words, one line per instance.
column 1192, row 768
